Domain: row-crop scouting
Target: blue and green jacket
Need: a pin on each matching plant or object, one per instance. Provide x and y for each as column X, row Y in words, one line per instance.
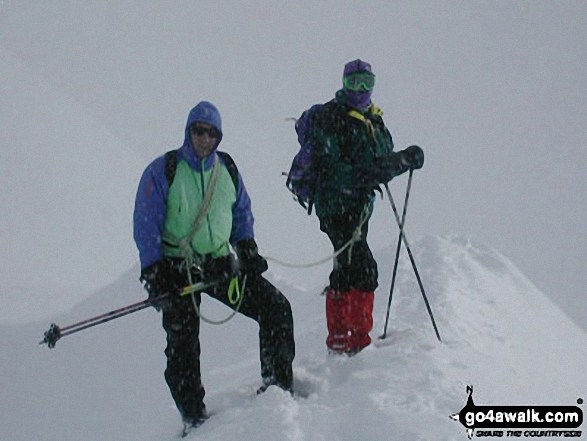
column 161, row 206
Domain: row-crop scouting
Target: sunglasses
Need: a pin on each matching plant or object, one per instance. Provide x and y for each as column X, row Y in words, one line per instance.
column 212, row 132
column 356, row 81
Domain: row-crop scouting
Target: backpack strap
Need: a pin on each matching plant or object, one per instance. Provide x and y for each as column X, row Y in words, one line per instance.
column 170, row 166
column 375, row 110
column 231, row 166
column 364, row 120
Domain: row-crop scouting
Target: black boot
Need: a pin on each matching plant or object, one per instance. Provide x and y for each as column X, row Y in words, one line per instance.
column 285, row 382
column 193, row 422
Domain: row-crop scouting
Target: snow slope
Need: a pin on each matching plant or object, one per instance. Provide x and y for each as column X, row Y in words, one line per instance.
column 499, row 333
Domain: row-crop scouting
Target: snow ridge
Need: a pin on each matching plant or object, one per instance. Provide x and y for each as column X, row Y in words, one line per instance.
column 499, row 333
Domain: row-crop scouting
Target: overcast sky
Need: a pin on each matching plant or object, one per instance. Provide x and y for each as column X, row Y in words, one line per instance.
column 493, row 91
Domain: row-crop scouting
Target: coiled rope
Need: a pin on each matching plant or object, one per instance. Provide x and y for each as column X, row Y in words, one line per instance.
column 235, row 293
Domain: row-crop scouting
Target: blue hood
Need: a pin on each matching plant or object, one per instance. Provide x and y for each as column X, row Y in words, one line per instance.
column 204, row 112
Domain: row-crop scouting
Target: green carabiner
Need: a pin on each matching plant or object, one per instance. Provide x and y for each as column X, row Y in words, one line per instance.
column 232, row 288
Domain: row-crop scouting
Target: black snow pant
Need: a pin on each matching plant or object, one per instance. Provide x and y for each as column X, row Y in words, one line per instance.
column 261, row 302
column 355, row 268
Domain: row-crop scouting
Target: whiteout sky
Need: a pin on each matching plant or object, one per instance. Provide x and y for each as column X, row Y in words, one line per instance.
column 493, row 91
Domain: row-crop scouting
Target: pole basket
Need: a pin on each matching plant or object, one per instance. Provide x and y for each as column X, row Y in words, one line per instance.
column 51, row 336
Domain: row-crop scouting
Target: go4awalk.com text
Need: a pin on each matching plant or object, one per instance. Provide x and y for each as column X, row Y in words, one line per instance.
column 520, row 421
column 527, row 433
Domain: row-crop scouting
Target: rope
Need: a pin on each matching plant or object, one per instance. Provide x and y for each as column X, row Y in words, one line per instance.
column 238, row 300
column 355, row 238
column 189, row 256
column 184, row 243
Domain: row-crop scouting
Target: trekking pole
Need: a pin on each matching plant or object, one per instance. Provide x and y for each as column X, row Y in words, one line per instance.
column 398, row 249
column 55, row 332
column 413, row 262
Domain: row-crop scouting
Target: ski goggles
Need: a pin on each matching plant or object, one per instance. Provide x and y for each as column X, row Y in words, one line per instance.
column 199, row 130
column 356, row 81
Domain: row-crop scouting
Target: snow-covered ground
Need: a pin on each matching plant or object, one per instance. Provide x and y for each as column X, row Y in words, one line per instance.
column 499, row 332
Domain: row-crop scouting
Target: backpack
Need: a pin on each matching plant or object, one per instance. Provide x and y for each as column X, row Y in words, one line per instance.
column 171, row 166
column 302, row 178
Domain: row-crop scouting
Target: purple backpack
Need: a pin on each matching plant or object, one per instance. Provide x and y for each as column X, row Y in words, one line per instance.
column 302, row 177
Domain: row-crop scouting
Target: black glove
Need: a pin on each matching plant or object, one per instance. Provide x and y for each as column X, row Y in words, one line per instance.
column 413, row 157
column 249, row 260
column 388, row 167
column 219, row 269
column 159, row 279
column 382, row 170
column 385, row 168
